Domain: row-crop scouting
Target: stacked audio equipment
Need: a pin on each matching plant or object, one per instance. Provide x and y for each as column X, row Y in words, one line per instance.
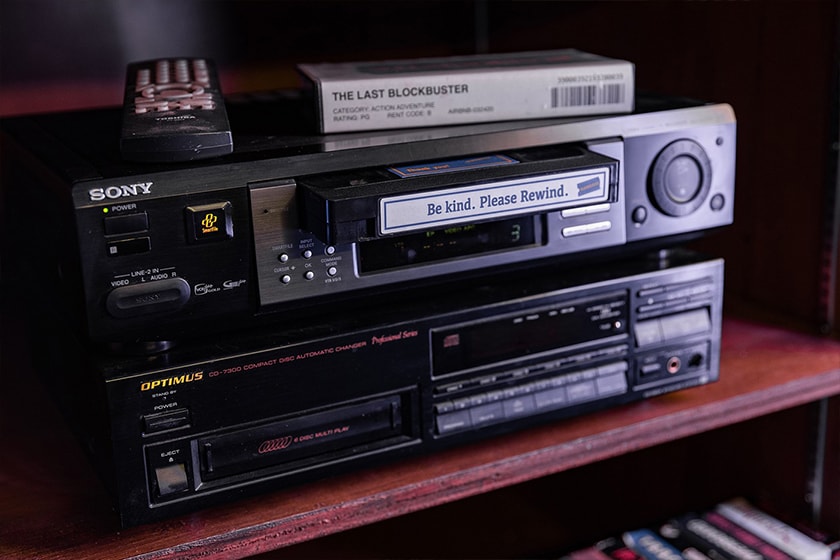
column 308, row 303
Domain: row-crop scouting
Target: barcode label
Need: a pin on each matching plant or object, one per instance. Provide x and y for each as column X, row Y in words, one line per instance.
column 582, row 96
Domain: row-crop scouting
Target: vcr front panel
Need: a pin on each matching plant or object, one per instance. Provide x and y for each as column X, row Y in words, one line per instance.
column 294, row 224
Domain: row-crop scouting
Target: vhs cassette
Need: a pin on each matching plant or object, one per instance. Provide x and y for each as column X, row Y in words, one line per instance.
column 355, row 96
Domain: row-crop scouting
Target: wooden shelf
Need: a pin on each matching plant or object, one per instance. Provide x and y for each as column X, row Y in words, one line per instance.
column 53, row 506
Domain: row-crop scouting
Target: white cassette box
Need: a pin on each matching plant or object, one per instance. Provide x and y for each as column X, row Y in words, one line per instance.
column 357, row 96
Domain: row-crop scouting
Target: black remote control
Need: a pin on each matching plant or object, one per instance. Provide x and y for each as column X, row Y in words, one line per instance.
column 174, row 111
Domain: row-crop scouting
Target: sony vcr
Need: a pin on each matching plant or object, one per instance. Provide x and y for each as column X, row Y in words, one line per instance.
column 291, row 221
column 249, row 412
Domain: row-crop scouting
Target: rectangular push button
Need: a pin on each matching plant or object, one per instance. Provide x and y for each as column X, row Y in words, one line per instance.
column 209, row 222
column 132, row 246
column 686, row 324
column 171, row 479
column 126, row 223
column 169, row 420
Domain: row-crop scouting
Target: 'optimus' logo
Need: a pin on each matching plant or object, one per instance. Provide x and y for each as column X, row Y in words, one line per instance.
column 121, row 191
column 170, row 381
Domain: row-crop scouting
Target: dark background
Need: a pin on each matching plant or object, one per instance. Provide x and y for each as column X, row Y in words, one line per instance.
column 775, row 62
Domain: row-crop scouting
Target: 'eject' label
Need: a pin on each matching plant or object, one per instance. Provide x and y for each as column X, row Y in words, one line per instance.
column 422, row 211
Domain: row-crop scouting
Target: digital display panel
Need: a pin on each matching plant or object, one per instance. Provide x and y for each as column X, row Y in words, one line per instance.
column 533, row 332
column 448, row 243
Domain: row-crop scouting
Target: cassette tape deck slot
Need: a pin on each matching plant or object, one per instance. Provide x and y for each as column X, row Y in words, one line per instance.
column 373, row 203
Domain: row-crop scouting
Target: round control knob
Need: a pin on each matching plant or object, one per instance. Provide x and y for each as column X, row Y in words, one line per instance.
column 639, row 215
column 681, row 177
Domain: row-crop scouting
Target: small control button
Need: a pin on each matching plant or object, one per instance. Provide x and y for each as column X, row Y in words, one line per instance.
column 309, row 275
column 648, row 332
column 487, row 414
column 683, row 179
column 585, row 229
column 453, row 421
column 283, row 257
column 168, row 420
column 171, row 479
column 307, row 254
column 522, row 406
column 133, row 246
column 330, row 250
column 584, row 391
column 332, row 271
column 444, row 407
column 285, row 279
column 209, row 222
column 151, row 297
column 615, row 384
column 585, row 210
column 126, row 223
column 552, row 398
column 647, row 370
column 639, row 214
column 609, row 369
column 685, row 324
column 647, row 292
